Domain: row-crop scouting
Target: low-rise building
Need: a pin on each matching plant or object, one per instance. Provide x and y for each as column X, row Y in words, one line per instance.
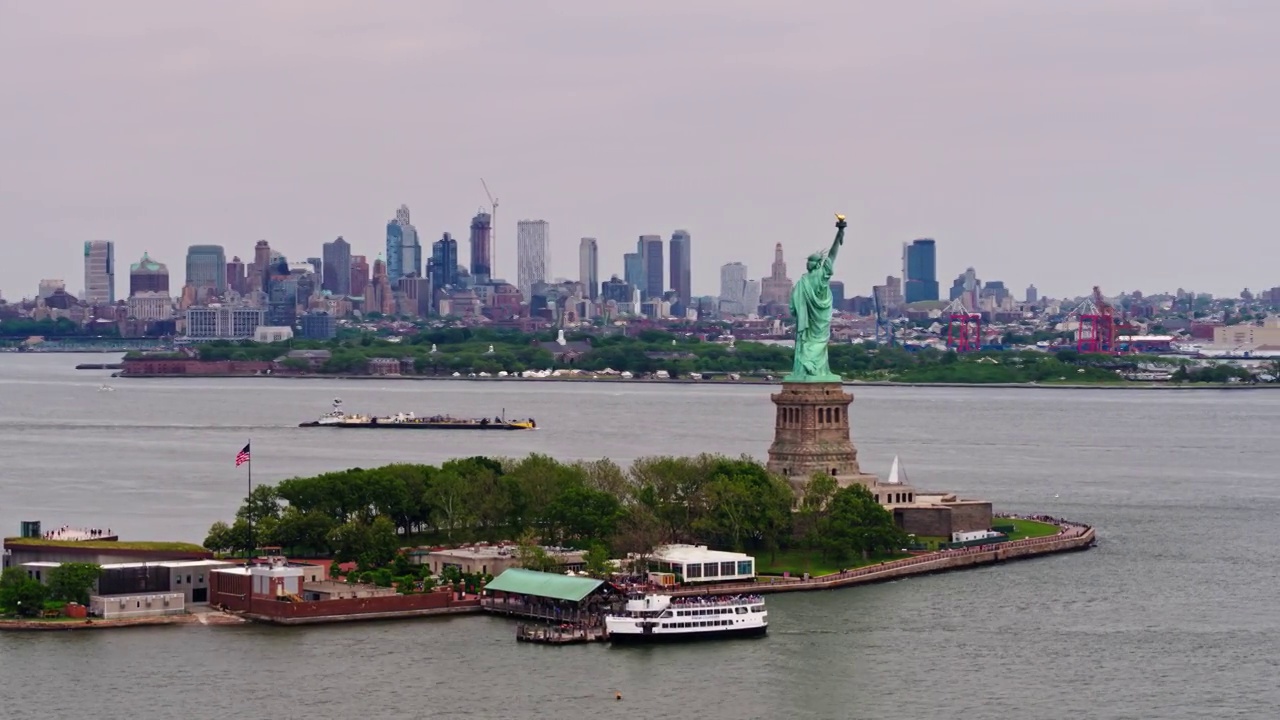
column 319, row 326
column 272, row 334
column 942, row 515
column 120, row 607
column 548, row 596
column 224, row 322
column 697, row 564
column 490, row 559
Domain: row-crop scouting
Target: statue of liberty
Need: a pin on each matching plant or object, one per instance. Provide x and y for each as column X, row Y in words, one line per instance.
column 811, row 308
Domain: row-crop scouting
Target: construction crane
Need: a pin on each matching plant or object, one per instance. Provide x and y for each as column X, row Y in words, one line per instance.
column 493, row 230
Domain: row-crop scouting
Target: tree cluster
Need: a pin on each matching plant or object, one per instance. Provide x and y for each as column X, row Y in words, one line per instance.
column 25, row 596
column 366, row 515
column 468, row 350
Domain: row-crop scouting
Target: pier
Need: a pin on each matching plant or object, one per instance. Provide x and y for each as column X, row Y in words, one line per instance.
column 559, row 634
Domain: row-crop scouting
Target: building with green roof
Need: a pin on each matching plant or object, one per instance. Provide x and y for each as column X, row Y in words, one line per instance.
column 147, row 275
column 548, row 596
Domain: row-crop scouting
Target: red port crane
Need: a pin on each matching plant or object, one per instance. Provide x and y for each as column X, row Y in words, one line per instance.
column 964, row 328
column 1096, row 332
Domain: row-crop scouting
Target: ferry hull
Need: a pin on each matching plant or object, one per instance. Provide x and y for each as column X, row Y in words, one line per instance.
column 669, row 637
column 416, row 426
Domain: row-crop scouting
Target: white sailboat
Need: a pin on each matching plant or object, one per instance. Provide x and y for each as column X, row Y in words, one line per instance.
column 897, row 476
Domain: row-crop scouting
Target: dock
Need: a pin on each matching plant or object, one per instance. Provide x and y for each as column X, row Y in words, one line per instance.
column 559, row 634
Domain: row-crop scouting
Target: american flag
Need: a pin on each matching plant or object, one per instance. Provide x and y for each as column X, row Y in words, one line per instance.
column 242, row 457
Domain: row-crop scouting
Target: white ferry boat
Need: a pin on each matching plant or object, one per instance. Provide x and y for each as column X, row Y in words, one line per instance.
column 662, row 618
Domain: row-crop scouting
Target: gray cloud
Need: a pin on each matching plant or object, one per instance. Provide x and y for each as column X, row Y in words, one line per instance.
column 1128, row 143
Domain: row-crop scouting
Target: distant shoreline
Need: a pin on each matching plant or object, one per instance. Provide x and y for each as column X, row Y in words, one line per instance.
column 744, row 381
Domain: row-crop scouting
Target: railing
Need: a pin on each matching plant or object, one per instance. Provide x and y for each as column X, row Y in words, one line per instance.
column 888, row 566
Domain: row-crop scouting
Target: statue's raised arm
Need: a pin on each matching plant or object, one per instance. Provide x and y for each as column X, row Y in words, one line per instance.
column 839, row 241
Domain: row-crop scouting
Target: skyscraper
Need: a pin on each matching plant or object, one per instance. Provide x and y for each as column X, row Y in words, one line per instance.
column 650, row 249
column 481, row 247
column 776, row 289
column 207, row 268
column 336, row 267
column 359, row 275
column 1033, row 295
column 444, row 261
column 99, row 272
column 235, row 275
column 633, row 270
column 681, row 273
column 149, row 276
column 260, row 272
column 404, row 252
column 589, row 267
column 733, row 286
column 533, row 254
column 920, row 271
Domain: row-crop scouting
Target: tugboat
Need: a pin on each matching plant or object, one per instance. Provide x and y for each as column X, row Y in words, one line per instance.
column 336, row 418
column 662, row 618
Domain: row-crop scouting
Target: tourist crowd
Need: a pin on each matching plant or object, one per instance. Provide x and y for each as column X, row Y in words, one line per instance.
column 696, row 600
column 66, row 532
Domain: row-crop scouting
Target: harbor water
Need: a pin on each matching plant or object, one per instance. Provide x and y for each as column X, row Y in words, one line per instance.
column 1173, row 616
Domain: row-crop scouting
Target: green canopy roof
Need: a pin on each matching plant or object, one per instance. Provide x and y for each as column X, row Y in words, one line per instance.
column 546, row 585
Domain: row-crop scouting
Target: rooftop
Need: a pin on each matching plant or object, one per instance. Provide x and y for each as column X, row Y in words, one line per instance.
column 136, row 546
column 479, row 552
column 545, row 585
column 695, row 553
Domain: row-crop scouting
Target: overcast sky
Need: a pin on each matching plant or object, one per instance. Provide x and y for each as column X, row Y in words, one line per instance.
column 1126, row 143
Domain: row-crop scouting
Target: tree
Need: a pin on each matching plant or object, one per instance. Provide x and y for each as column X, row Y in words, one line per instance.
column 746, row 504
column 218, row 539
column 580, row 515
column 384, row 544
column 818, row 492
column 449, row 498
column 532, row 556
column 856, row 523
column 73, row 582
column 21, row 595
column 597, row 562
column 303, row 529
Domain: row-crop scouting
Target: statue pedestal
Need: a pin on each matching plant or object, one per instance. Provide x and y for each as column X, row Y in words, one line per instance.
column 811, row 435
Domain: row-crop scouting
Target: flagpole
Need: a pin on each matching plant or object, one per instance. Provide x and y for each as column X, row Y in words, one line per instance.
column 249, row 464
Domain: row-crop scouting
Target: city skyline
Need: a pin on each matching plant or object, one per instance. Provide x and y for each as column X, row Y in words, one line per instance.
column 1090, row 143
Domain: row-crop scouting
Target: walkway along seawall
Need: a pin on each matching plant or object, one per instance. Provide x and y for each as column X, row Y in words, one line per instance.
column 1071, row 538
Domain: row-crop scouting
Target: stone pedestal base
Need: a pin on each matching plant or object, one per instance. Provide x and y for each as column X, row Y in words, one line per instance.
column 811, row 435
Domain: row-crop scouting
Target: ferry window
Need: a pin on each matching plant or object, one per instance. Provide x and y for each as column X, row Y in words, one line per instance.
column 693, row 570
column 711, row 569
column 744, row 567
column 726, row 568
column 740, row 610
column 758, row 608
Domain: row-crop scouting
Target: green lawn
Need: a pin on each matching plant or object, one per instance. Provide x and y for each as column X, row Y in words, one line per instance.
column 798, row 562
column 106, row 544
column 1026, row 528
